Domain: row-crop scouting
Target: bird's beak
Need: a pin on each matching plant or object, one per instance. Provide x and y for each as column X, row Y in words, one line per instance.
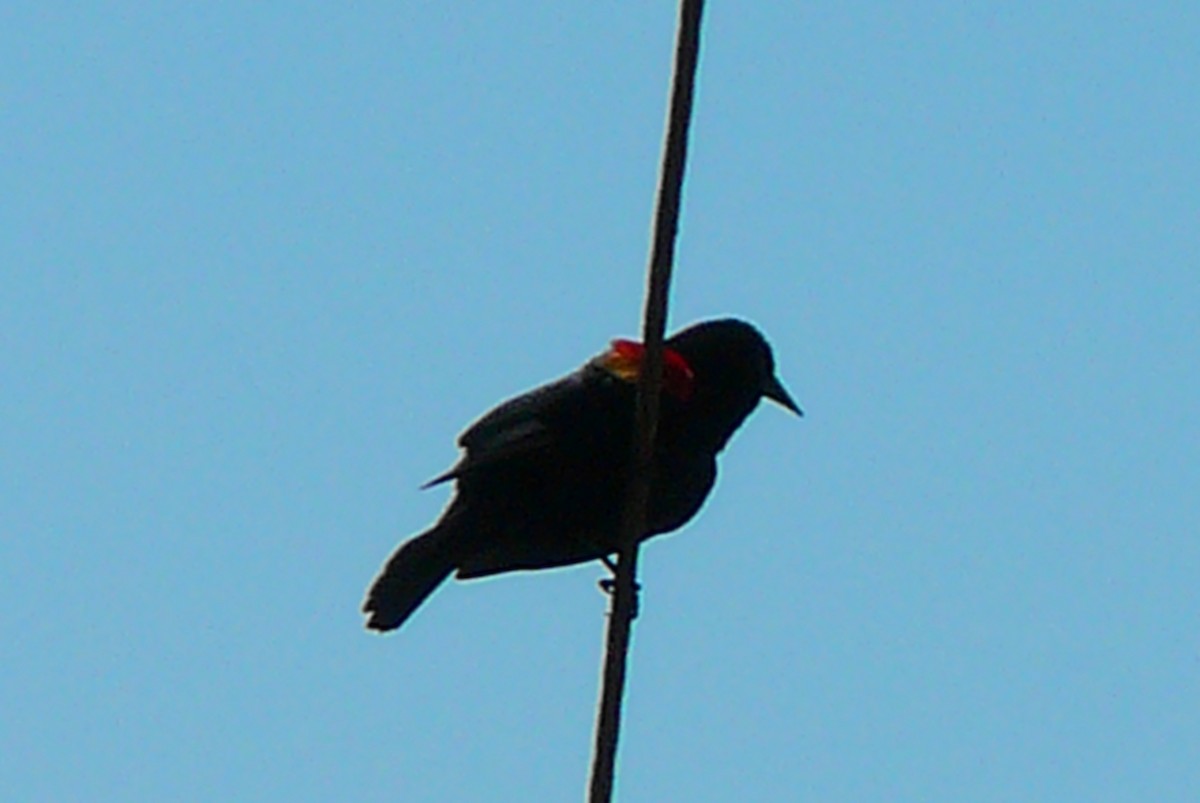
column 776, row 392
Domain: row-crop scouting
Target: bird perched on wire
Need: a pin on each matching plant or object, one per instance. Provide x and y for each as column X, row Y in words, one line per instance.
column 543, row 477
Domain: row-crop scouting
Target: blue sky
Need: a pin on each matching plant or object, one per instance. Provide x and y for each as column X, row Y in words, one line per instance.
column 261, row 264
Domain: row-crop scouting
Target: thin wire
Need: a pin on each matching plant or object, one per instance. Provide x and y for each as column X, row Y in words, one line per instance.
column 666, row 226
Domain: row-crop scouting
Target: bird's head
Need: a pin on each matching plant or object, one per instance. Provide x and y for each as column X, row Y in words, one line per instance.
column 717, row 370
column 733, row 369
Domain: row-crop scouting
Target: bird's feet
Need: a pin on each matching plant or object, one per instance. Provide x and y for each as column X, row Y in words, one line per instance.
column 609, row 586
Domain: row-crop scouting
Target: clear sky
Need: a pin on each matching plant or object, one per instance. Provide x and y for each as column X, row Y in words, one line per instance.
column 260, row 263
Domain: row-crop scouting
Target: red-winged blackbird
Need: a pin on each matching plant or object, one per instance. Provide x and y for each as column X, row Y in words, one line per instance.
column 542, row 481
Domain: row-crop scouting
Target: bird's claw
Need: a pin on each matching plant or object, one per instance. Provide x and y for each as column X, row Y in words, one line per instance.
column 609, row 586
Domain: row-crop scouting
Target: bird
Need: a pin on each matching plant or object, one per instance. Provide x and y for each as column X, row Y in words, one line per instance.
column 542, row 479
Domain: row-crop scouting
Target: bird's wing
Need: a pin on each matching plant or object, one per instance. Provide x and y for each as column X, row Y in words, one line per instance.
column 520, row 438
column 518, row 428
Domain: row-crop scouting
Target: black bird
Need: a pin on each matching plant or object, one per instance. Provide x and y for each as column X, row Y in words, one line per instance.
column 542, row 481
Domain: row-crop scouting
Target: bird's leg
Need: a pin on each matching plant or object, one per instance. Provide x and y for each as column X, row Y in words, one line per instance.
column 609, row 584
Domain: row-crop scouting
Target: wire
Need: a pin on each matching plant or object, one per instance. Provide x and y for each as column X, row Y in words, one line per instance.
column 666, row 226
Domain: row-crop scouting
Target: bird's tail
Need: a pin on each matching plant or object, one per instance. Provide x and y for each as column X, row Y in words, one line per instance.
column 411, row 574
